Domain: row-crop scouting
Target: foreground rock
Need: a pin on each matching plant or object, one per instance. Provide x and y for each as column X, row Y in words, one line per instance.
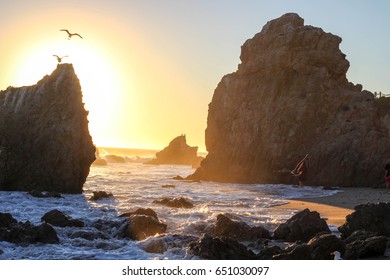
column 372, row 217
column 97, row 195
column 25, row 233
column 301, row 227
column 289, row 97
column 177, row 202
column 177, row 152
column 59, row 219
column 211, row 248
column 238, row 230
column 44, row 139
column 140, row 227
column 319, row 247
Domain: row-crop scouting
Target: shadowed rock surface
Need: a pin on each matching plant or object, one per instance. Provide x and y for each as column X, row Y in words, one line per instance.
column 59, row 219
column 45, row 144
column 25, row 233
column 210, row 248
column 290, row 97
column 372, row 217
column 301, row 227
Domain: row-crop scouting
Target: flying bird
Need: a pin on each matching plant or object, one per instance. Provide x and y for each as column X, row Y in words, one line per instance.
column 59, row 58
column 71, row 34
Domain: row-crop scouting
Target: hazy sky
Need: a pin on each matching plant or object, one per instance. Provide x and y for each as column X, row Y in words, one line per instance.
column 148, row 68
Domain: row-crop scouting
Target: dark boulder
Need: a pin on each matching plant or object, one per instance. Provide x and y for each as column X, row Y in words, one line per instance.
column 295, row 252
column 59, row 219
column 373, row 217
column 267, row 252
column 322, row 246
column 140, row 227
column 177, row 202
column 366, row 248
column 238, row 230
column 100, row 195
column 25, row 233
column 301, row 227
column 211, row 248
column 141, row 211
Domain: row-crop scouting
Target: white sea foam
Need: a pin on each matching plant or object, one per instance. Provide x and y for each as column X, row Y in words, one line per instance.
column 136, row 185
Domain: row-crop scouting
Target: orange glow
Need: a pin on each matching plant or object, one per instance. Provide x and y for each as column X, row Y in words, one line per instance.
column 136, row 97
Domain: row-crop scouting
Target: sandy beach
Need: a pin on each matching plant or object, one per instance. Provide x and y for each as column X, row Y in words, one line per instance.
column 336, row 207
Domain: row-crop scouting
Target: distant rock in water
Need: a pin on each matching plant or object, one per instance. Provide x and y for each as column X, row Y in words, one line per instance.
column 45, row 144
column 290, row 97
column 177, row 152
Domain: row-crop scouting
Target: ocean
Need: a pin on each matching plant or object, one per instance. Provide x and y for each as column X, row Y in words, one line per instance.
column 136, row 185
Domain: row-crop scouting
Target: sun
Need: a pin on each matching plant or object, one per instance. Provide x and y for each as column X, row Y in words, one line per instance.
column 101, row 86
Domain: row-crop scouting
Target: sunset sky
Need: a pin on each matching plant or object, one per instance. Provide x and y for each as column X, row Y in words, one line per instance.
column 148, row 68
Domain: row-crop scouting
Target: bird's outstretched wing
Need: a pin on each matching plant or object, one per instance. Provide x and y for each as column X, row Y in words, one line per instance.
column 56, row 56
column 66, row 30
column 77, row 34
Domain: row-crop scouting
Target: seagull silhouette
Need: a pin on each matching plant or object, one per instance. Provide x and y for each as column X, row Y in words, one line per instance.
column 71, row 34
column 59, row 58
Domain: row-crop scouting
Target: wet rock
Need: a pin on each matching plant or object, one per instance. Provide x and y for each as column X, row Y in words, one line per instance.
column 358, row 235
column 88, row 235
column 44, row 141
column 322, row 246
column 211, row 248
column 178, row 177
column 367, row 248
column 177, row 202
column 301, row 227
column 6, row 220
column 177, row 152
column 296, row 252
column 238, row 230
column 373, row 217
column 290, row 96
column 25, row 233
column 161, row 244
column 39, row 194
column 141, row 211
column 100, row 195
column 267, row 252
column 140, row 227
column 59, row 219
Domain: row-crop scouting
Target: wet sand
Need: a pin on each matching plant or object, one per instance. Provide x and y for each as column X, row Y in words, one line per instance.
column 336, row 207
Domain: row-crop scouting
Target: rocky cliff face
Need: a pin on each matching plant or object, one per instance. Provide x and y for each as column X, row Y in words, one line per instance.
column 177, row 152
column 289, row 97
column 44, row 139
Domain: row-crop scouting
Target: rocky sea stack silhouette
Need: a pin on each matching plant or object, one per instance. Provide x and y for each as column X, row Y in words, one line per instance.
column 45, row 144
column 178, row 152
column 290, row 97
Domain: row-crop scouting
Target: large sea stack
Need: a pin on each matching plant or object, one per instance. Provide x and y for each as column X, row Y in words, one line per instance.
column 44, row 139
column 290, row 97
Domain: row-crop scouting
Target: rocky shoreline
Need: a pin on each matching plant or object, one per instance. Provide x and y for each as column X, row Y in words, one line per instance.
column 305, row 236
